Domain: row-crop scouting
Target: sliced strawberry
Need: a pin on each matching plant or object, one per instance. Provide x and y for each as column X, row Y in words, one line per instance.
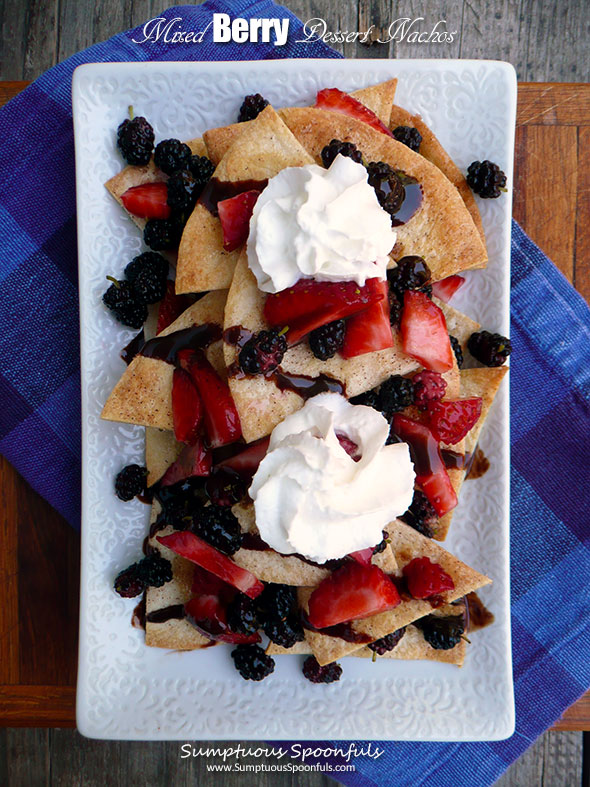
column 446, row 288
column 353, row 591
column 451, row 421
column 193, row 460
column 425, row 579
column 246, row 462
column 369, row 330
column 337, row 101
column 362, row 556
column 349, row 446
column 148, row 201
column 424, row 332
column 431, row 473
column 191, row 547
column 235, row 214
column 308, row 304
column 171, row 306
column 187, row 408
column 222, row 422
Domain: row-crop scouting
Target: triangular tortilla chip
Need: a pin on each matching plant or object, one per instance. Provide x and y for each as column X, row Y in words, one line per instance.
column 161, row 450
column 143, row 395
column 432, row 150
column 459, row 325
column 407, row 544
column 442, row 230
column 378, row 98
column 260, row 151
column 260, row 403
column 137, row 176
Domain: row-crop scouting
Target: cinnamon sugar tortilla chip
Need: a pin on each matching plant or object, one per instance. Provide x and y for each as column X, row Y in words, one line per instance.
column 432, row 150
column 260, row 403
column 161, row 450
column 459, row 325
column 442, row 229
column 137, row 176
column 261, row 150
column 407, row 544
column 143, row 395
column 378, row 98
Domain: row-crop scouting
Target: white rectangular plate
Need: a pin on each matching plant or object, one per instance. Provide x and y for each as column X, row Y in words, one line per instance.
column 129, row 691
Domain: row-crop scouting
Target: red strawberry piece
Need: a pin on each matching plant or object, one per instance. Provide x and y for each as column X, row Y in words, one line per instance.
column 353, row 591
column 369, row 330
column 450, row 421
column 349, row 446
column 431, row 473
column 148, row 201
column 337, row 101
column 362, row 556
column 187, row 408
column 425, row 579
column 191, row 547
column 308, row 304
column 235, row 214
column 171, row 306
column 424, row 332
column 222, row 422
column 193, row 460
column 446, row 288
column 246, row 462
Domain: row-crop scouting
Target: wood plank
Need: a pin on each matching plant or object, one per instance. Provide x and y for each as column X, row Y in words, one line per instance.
column 41, row 37
column 37, row 706
column 27, row 758
column 551, row 104
column 562, row 759
column 9, row 639
column 582, row 258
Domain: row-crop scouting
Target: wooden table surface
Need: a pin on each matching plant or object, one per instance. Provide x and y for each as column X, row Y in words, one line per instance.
column 39, row 561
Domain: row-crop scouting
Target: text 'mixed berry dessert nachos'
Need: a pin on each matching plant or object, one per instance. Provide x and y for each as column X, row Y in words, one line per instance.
column 299, row 372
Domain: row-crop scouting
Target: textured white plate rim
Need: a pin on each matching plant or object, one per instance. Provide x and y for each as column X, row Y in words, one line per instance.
column 153, row 710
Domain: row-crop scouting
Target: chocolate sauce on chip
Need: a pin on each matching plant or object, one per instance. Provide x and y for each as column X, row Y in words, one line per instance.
column 476, row 465
column 412, row 200
column 478, row 615
column 138, row 616
column 217, row 190
column 343, row 631
column 130, row 350
column 165, row 348
column 237, row 335
column 305, row 386
column 172, row 612
column 452, row 459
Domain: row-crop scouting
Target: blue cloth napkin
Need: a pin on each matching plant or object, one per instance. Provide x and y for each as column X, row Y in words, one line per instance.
column 550, row 388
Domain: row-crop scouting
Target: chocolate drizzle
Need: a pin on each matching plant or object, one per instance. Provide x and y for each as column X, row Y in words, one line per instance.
column 217, row 190
column 165, row 348
column 412, row 200
column 138, row 616
column 305, row 386
column 172, row 612
column 478, row 615
column 130, row 350
column 476, row 464
column 452, row 459
column 343, row 631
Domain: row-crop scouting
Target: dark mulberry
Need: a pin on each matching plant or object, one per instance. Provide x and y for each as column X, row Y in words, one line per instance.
column 455, row 344
column 241, row 615
column 155, row 570
column 388, row 186
column 421, row 515
column 219, row 527
column 130, row 482
column 284, row 632
column 263, row 352
column 148, row 273
column 252, row 662
column 224, row 486
column 486, row 179
column 491, row 349
column 171, row 155
column 161, row 234
column 395, row 394
column 135, row 139
column 385, row 644
column 411, row 273
column 428, row 387
column 122, row 300
column 336, row 147
column 329, row 673
column 395, row 310
column 368, row 398
column 201, row 168
column 251, row 107
column 409, row 136
column 183, row 190
column 442, row 633
column 128, row 583
column 325, row 341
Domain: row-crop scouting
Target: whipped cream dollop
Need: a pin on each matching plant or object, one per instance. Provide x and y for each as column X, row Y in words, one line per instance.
column 319, row 223
column 311, row 497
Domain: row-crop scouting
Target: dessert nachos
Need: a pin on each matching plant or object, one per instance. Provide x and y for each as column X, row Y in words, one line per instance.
column 300, row 374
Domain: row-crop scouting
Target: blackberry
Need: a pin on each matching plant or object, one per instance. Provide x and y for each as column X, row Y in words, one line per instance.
column 409, row 136
column 382, row 545
column 325, row 341
column 148, row 273
column 224, row 487
column 329, row 152
column 486, row 179
column 160, row 234
column 171, row 155
column 385, row 644
column 241, row 615
column 130, row 481
column 135, row 140
column 395, row 310
column 427, row 290
column 411, row 273
column 252, row 662
column 457, row 350
column 428, row 387
column 181, row 502
column 155, row 570
column 441, row 633
column 329, row 673
column 251, row 107
column 183, row 190
column 263, row 352
column 219, row 527
column 284, row 632
column 201, row 168
column 421, row 515
column 368, row 398
column 128, row 583
column 491, row 349
column 276, row 602
column 388, row 187
column 122, row 300
column 395, row 394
